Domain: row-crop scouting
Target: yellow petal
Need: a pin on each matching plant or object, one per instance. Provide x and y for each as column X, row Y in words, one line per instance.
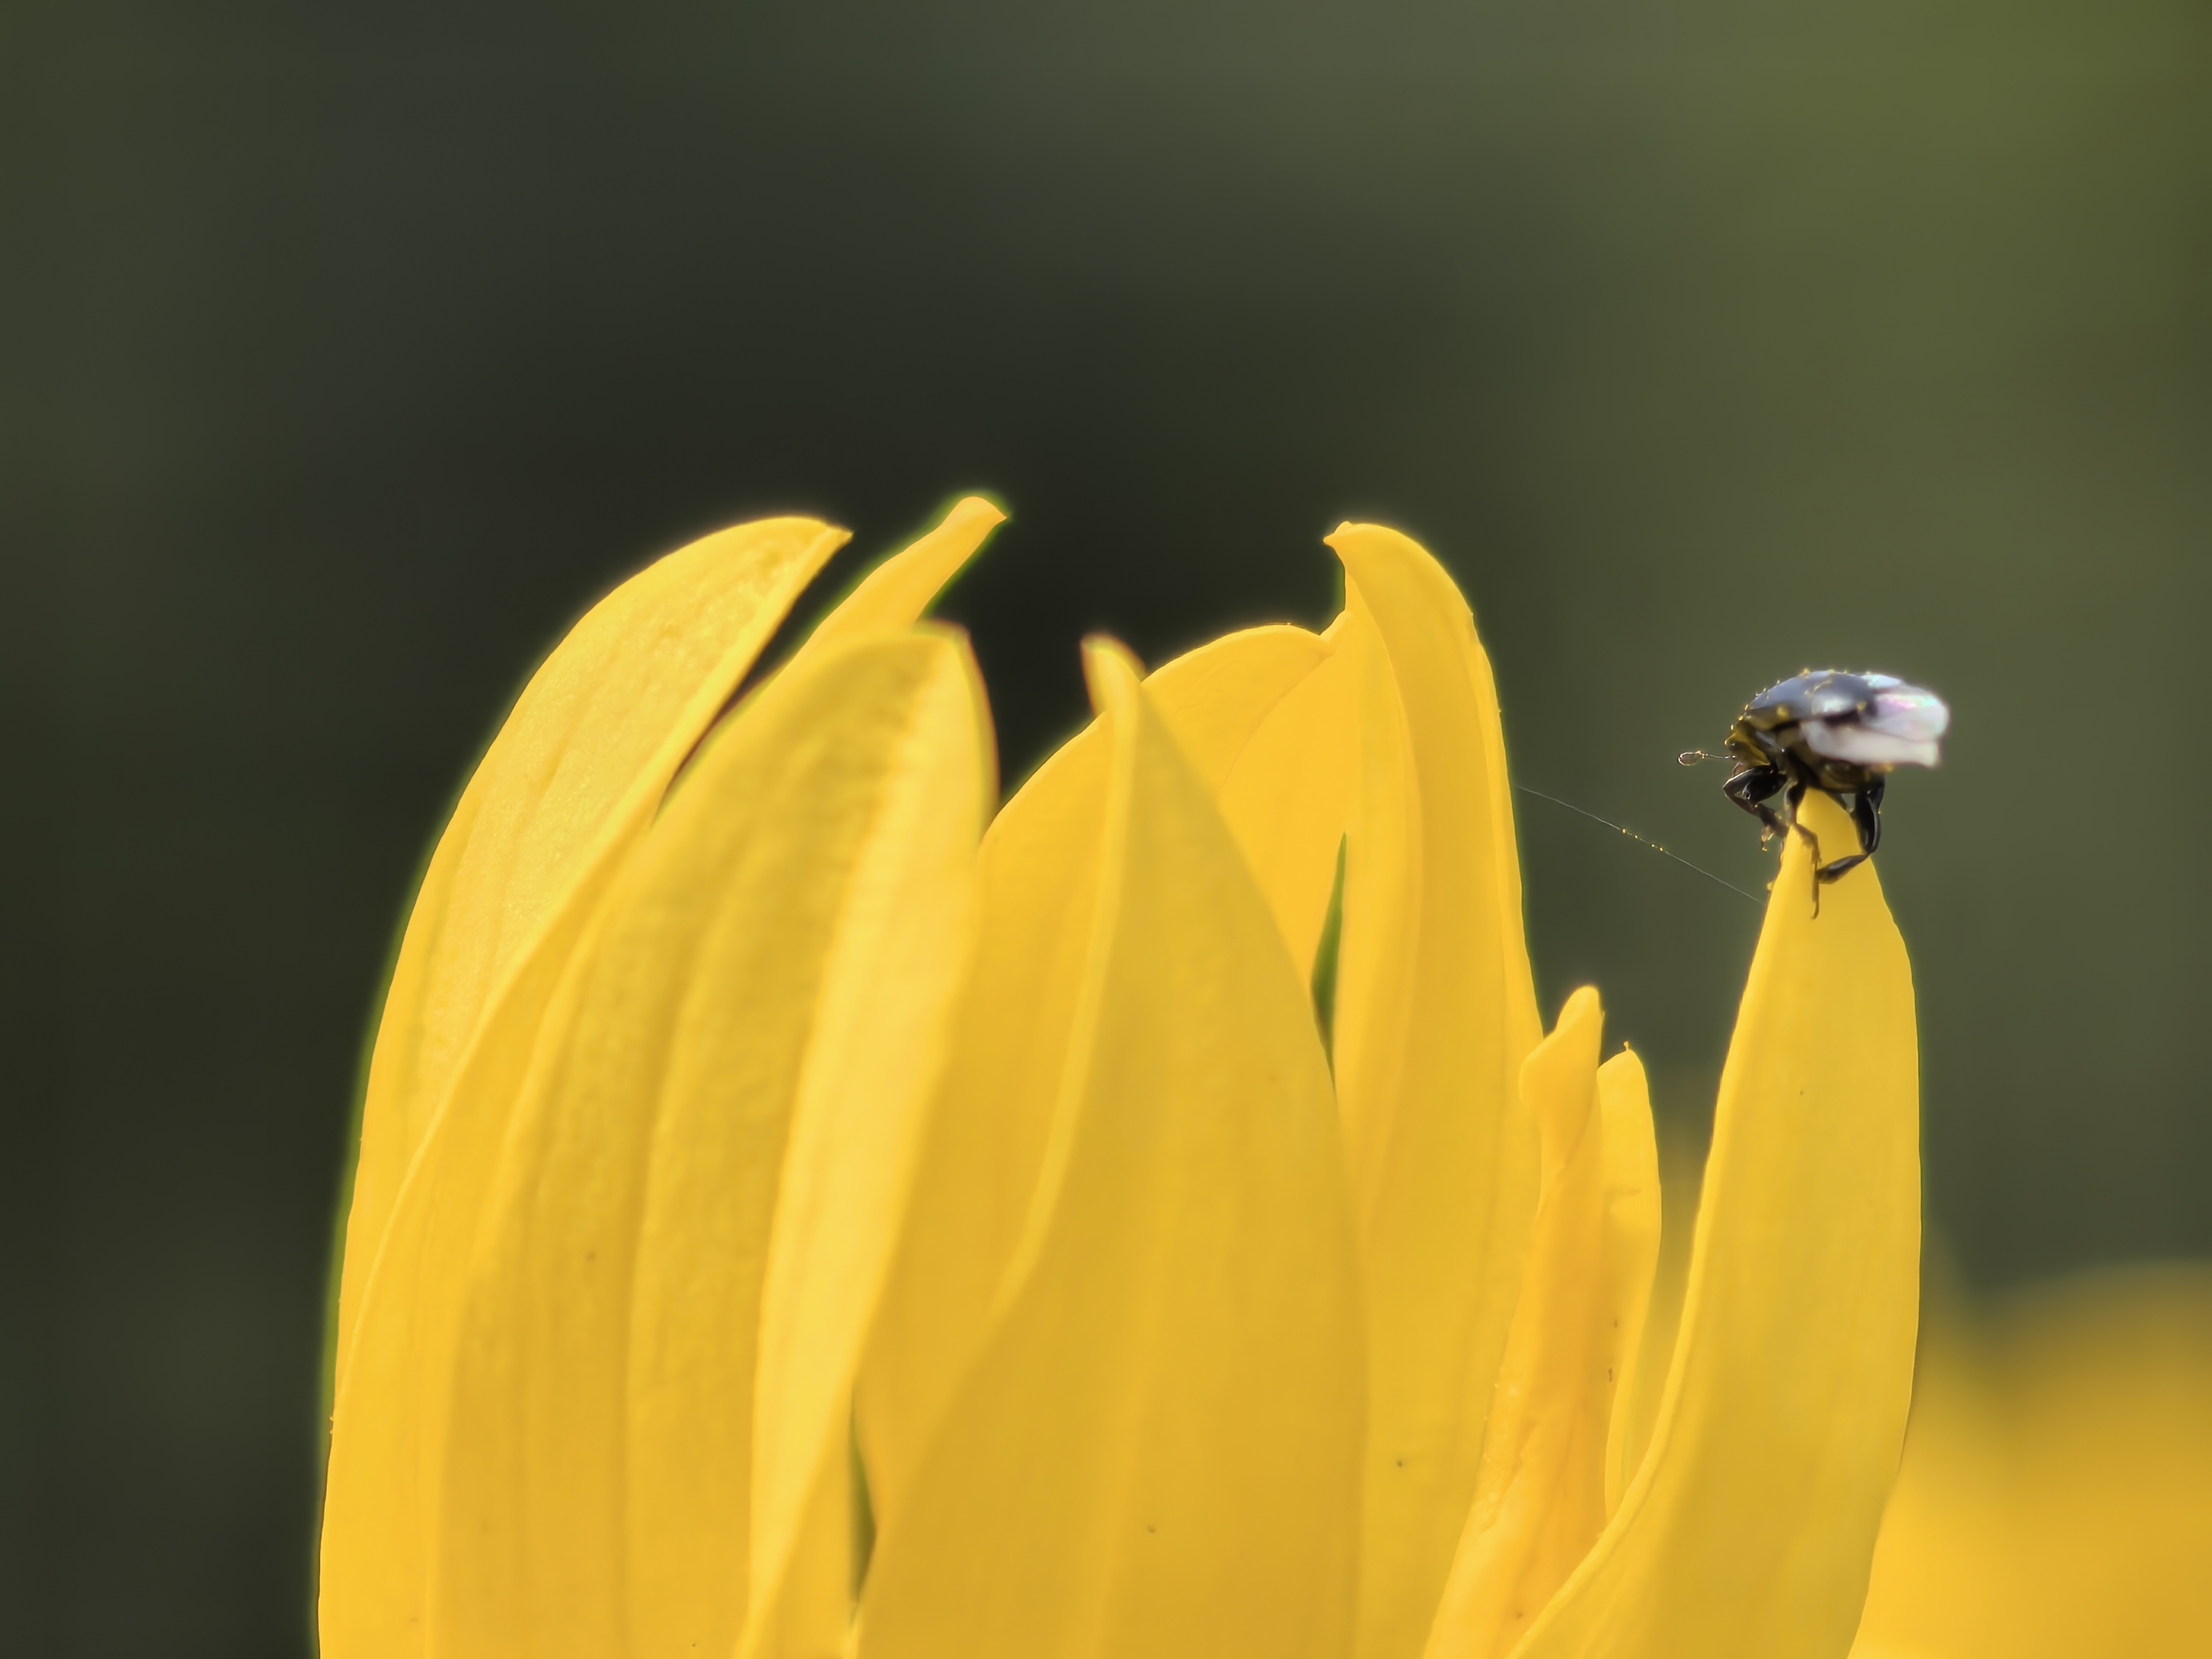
column 1540, row 1499
column 1435, row 1012
column 1157, row 1452
column 1632, row 1229
column 586, row 1489
column 896, row 592
column 570, row 781
column 1748, row 1529
column 1255, row 714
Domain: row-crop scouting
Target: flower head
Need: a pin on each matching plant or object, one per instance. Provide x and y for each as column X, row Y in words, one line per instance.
column 801, row 1212
column 2056, row 1498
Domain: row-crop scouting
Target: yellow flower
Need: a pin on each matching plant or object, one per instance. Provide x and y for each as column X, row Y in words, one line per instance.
column 792, row 1220
column 2056, row 1493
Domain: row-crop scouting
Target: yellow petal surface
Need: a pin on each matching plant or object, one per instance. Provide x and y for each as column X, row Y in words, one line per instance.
column 2056, row 1498
column 1157, row 1452
column 1435, row 1012
column 1258, row 715
column 707, row 1140
column 1540, row 1500
column 572, row 779
column 1747, row 1531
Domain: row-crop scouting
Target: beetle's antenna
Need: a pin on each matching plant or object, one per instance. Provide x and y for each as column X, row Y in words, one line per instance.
column 1623, row 829
column 1692, row 756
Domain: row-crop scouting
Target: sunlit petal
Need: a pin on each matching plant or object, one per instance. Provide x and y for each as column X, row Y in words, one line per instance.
column 1747, row 1531
column 1156, row 1451
column 1435, row 1012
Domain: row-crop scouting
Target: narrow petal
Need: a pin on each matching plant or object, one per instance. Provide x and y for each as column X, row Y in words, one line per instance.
column 572, row 1474
column 568, row 784
column 1747, row 1531
column 873, row 1057
column 1435, row 1012
column 897, row 592
column 1157, row 1452
column 1540, row 1499
column 1247, row 714
column 1633, row 1231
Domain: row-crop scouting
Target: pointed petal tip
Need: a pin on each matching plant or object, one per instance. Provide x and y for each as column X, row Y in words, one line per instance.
column 1627, row 1062
column 1583, row 1003
column 1111, row 672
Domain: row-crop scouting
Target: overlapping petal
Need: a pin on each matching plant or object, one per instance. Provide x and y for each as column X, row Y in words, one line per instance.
column 559, row 806
column 641, row 1398
column 1156, row 1449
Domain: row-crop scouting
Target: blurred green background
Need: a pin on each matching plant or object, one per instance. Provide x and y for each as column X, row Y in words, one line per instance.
column 351, row 351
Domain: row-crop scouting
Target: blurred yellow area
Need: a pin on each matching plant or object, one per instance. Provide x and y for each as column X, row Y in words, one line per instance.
column 2055, row 1498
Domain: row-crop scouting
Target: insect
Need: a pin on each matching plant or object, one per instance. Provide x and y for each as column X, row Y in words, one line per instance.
column 1840, row 733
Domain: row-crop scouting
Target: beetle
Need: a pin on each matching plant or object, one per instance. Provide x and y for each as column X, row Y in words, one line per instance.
column 1839, row 733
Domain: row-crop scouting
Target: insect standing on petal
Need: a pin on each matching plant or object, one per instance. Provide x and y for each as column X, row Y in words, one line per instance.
column 1839, row 733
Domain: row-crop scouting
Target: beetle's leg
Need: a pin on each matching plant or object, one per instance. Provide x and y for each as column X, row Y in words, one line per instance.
column 1751, row 788
column 1866, row 809
column 1797, row 822
column 1866, row 812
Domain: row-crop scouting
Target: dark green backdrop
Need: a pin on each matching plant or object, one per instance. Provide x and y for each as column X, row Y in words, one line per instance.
column 350, row 351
